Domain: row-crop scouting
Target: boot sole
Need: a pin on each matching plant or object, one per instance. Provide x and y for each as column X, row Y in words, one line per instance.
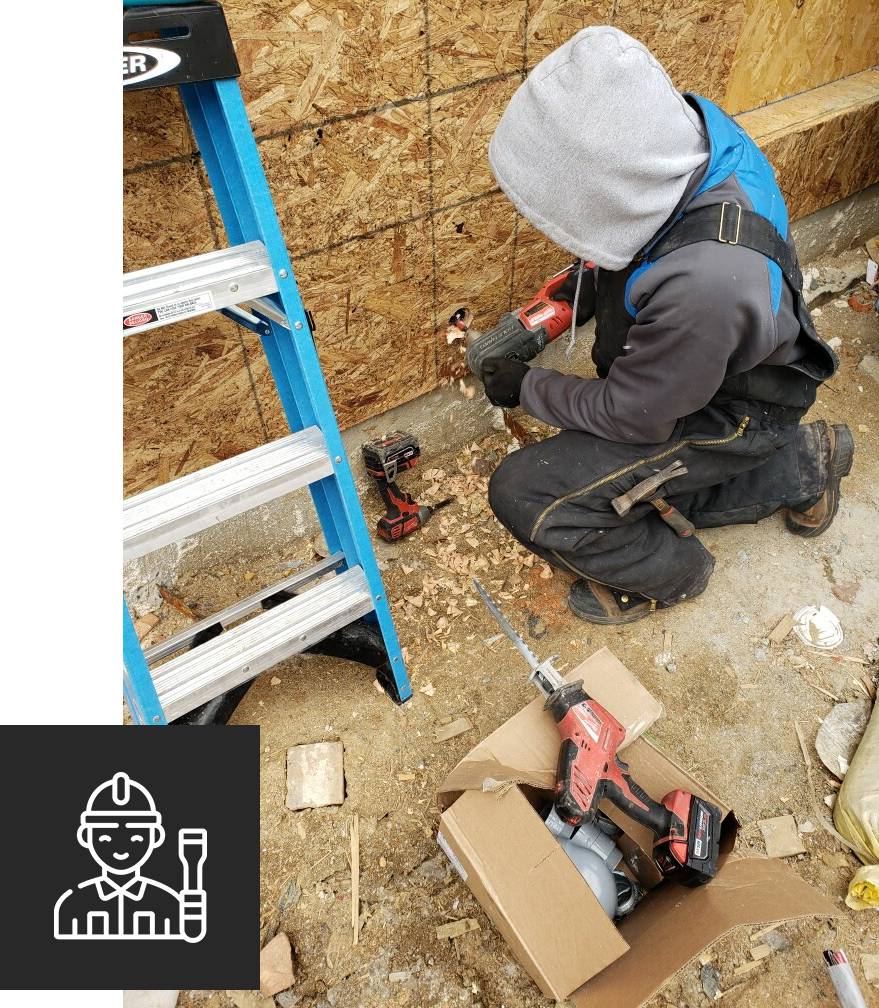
column 840, row 466
column 609, row 620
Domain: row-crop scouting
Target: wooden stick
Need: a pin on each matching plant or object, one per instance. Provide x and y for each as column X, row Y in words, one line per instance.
column 355, row 876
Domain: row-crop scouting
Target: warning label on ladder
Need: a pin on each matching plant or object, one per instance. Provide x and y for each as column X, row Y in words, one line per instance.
column 170, row 310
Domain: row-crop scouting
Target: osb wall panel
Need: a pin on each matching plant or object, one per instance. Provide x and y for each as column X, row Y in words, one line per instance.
column 694, row 39
column 308, row 60
column 166, row 215
column 345, row 179
column 188, row 401
column 475, row 244
column 817, row 41
column 823, row 144
column 373, row 122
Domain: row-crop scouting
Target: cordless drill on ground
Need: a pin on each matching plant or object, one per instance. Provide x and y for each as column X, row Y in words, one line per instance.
column 385, row 458
column 686, row 828
column 523, row 333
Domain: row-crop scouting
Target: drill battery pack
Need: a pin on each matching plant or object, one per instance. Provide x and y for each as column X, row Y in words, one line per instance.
column 387, row 456
column 689, row 853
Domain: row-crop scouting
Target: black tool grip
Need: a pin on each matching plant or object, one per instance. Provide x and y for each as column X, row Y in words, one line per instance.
column 508, row 339
column 638, row 805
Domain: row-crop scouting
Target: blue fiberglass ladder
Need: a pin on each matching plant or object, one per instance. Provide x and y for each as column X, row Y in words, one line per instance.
column 345, row 611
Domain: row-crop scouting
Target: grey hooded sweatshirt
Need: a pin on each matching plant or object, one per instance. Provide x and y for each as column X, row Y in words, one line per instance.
column 602, row 154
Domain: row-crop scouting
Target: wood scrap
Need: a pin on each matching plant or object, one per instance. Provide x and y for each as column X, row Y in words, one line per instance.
column 761, row 951
column 355, row 877
column 782, row 628
column 452, row 729
column 746, row 968
column 870, row 966
column 457, row 928
column 143, row 624
column 177, row 603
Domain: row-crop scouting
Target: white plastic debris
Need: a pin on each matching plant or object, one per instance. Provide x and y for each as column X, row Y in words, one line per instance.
column 818, row 627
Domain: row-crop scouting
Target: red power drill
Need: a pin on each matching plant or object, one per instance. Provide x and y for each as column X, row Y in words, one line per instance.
column 385, row 458
column 523, row 333
column 686, row 828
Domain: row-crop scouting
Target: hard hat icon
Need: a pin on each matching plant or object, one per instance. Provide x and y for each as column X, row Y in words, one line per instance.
column 121, row 799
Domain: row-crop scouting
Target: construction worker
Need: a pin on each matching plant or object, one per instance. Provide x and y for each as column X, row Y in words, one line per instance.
column 121, row 828
column 704, row 350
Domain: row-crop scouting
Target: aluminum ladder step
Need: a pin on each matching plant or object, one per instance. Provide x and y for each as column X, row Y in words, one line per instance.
column 238, row 610
column 187, row 505
column 173, row 291
column 240, row 654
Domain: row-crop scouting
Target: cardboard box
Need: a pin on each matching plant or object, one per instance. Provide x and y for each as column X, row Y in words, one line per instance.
column 537, row 899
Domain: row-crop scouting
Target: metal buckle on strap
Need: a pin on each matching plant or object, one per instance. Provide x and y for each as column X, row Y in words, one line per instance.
column 734, row 240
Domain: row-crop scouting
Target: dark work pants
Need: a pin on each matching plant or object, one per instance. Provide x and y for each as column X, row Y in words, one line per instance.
column 745, row 460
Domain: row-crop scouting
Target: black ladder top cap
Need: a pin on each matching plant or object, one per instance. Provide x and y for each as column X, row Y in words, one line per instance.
column 185, row 44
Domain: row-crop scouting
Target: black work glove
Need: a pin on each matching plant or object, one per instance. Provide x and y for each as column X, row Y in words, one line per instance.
column 586, row 304
column 503, row 380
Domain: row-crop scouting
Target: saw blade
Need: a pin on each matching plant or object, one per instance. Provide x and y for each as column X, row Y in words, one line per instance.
column 504, row 624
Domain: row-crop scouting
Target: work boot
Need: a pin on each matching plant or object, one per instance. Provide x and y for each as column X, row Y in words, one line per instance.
column 840, row 449
column 597, row 603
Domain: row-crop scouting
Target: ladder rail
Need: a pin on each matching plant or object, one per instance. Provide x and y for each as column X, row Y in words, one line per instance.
column 137, row 683
column 223, row 134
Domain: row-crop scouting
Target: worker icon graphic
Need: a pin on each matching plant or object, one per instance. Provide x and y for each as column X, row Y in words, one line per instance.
column 121, row 828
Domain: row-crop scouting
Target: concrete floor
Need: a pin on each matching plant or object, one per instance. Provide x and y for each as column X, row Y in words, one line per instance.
column 730, row 698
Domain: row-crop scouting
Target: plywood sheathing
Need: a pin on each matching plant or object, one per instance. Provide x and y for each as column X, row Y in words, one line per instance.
column 786, row 47
column 374, row 334
column 373, row 122
column 470, row 41
column 305, row 62
column 474, row 243
column 348, row 178
column 823, row 144
column 695, row 40
column 154, row 127
column 165, row 215
column 550, row 22
column 187, row 401
column 463, row 123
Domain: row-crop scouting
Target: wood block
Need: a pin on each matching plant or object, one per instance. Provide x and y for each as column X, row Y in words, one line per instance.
column 552, row 22
column 781, row 836
column 695, row 40
column 303, row 61
column 462, row 127
column 453, row 729
column 782, row 628
column 822, row 143
column 349, row 178
column 455, row 929
column 367, row 297
column 472, row 41
column 315, row 775
column 822, row 42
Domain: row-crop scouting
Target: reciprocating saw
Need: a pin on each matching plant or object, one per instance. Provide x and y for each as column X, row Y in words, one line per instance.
column 523, row 333
column 686, row 828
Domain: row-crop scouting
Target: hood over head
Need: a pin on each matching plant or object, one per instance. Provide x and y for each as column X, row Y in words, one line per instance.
column 597, row 146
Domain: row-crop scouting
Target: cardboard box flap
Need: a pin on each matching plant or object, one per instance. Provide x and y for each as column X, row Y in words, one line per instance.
column 525, row 748
column 673, row 925
column 530, row 889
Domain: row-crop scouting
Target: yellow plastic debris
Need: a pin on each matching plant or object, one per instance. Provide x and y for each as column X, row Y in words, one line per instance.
column 863, row 890
column 856, row 816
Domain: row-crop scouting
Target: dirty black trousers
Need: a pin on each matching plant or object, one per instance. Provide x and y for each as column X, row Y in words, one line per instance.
column 745, row 460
